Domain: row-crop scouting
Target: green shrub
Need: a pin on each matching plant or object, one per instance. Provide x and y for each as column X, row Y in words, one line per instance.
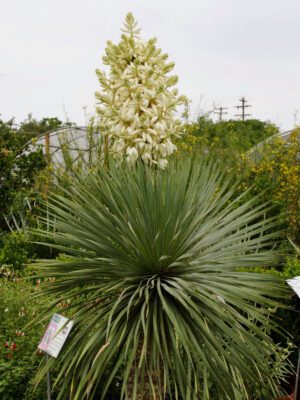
column 19, row 166
column 18, row 357
column 14, row 251
column 289, row 317
column 224, row 138
column 274, row 170
column 18, row 248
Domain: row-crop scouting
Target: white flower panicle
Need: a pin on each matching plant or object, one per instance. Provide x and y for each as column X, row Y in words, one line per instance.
column 137, row 104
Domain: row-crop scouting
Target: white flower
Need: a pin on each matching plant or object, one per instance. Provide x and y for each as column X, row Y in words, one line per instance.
column 149, row 138
column 162, row 149
column 146, row 157
column 138, row 44
column 162, row 163
column 132, row 155
column 170, row 147
column 127, row 113
column 160, row 129
column 145, row 103
column 140, row 146
column 119, row 146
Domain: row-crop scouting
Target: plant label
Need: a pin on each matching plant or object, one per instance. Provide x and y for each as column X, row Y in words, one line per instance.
column 55, row 335
column 294, row 283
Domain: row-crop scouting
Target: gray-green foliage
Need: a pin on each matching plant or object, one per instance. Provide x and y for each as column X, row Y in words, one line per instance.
column 153, row 285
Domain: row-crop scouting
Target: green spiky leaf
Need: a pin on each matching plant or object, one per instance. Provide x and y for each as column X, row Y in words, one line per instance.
column 154, row 287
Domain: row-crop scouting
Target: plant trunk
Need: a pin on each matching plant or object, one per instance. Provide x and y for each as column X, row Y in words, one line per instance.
column 144, row 389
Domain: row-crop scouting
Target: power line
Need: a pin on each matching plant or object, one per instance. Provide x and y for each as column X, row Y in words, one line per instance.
column 220, row 111
column 243, row 115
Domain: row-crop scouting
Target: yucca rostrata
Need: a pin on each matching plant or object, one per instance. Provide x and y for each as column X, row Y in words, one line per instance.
column 155, row 286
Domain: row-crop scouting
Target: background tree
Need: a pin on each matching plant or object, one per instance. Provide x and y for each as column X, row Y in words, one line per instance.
column 228, row 138
column 19, row 165
column 31, row 127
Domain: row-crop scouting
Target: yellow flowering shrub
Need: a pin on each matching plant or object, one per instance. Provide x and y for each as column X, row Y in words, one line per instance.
column 272, row 169
column 275, row 166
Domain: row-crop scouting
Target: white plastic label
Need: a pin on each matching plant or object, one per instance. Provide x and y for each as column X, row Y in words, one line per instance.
column 294, row 283
column 55, row 335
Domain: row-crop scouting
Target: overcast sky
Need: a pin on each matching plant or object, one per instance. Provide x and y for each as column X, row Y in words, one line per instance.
column 223, row 49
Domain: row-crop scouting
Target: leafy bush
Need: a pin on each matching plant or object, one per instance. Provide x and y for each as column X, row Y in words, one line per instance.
column 289, row 316
column 274, row 170
column 14, row 251
column 18, row 248
column 19, row 166
column 18, row 357
column 225, row 138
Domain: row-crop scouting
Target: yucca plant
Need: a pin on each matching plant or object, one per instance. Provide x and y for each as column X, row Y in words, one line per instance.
column 154, row 287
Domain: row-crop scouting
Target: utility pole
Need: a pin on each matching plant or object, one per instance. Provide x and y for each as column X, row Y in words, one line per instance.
column 220, row 111
column 243, row 115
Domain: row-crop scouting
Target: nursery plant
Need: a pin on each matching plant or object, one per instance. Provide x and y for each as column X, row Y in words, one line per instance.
column 155, row 289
